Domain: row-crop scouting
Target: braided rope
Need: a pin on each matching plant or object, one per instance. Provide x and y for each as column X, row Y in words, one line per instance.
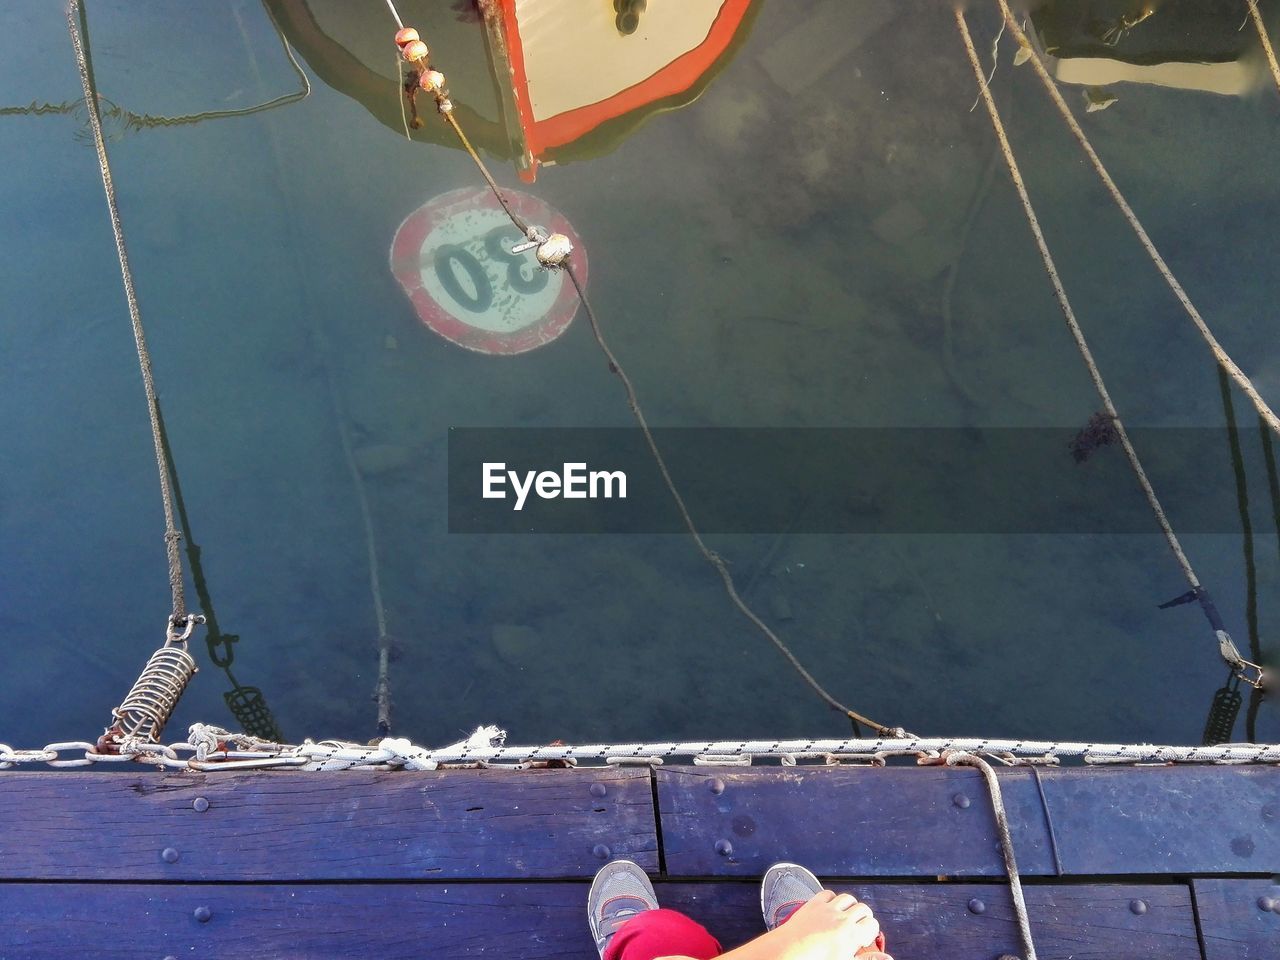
column 1267, row 49
column 214, row 749
column 1095, row 752
column 1006, row 845
column 171, row 535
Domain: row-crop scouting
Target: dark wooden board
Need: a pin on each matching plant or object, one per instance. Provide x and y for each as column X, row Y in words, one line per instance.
column 498, row 824
column 354, row 825
column 933, row 920
column 1181, row 820
column 846, row 821
column 1233, row 920
column 868, row 822
column 260, row 921
column 548, row 920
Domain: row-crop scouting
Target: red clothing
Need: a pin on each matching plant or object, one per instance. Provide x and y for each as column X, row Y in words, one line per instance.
column 664, row 933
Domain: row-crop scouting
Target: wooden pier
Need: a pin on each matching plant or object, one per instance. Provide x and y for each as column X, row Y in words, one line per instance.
column 1174, row 863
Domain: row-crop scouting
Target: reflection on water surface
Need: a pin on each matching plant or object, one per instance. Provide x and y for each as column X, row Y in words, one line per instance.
column 813, row 231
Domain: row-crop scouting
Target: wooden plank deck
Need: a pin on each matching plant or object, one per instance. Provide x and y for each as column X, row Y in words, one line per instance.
column 1239, row 919
column 531, row 921
column 899, row 821
column 1146, row 862
column 362, row 825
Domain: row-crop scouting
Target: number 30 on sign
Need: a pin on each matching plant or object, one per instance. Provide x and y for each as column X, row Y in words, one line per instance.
column 453, row 257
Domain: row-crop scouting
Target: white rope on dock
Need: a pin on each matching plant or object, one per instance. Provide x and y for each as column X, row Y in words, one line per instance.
column 1104, row 752
column 209, row 748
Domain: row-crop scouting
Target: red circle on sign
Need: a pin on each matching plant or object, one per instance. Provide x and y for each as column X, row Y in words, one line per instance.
column 452, row 256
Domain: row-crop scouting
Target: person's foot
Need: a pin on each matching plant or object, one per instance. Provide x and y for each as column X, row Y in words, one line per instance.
column 786, row 888
column 620, row 891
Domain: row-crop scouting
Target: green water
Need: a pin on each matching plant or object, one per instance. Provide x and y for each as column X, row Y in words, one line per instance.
column 758, row 258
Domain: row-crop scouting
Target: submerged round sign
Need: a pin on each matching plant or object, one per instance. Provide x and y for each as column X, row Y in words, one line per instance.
column 453, row 257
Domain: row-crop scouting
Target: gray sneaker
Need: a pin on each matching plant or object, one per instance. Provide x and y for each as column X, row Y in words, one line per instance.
column 620, row 891
column 786, row 887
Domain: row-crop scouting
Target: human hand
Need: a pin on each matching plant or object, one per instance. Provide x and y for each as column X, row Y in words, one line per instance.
column 829, row 926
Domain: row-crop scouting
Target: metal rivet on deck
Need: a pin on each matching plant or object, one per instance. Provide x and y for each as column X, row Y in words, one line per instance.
column 203, row 914
column 1138, row 906
column 724, row 848
column 601, row 851
column 598, row 790
column 716, row 786
column 169, row 855
column 199, row 804
column 1265, row 904
column 977, row 906
column 961, row 801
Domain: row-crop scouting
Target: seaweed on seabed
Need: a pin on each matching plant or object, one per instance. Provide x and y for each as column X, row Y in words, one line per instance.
column 1098, row 432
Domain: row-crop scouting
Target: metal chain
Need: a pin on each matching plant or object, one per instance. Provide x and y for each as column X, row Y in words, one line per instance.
column 209, row 748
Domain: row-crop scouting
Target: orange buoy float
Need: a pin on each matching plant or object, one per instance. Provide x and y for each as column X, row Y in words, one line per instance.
column 414, row 51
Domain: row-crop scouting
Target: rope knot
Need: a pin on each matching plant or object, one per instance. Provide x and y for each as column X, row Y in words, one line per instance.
column 404, row 753
column 206, row 738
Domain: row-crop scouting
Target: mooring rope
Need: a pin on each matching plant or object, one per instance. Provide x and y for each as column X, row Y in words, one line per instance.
column 713, row 558
column 395, row 14
column 1006, row 845
column 140, row 121
column 520, row 223
column 562, row 257
column 148, row 120
column 35, row 109
column 1267, row 49
column 178, row 617
column 1219, row 353
column 1198, row 592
